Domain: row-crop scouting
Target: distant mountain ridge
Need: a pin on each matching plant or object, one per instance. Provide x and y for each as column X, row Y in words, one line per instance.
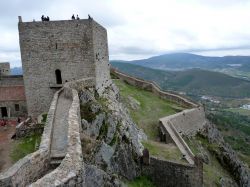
column 195, row 82
column 233, row 65
column 16, row 71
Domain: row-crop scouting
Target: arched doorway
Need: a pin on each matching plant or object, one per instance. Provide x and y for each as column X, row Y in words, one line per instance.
column 58, row 77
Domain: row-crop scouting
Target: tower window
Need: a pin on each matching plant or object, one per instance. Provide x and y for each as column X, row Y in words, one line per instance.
column 17, row 107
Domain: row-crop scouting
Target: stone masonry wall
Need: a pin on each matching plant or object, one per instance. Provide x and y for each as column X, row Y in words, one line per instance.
column 168, row 174
column 187, row 122
column 12, row 113
column 153, row 87
column 32, row 166
column 4, row 68
column 101, row 57
column 51, row 45
column 11, row 80
column 69, row 172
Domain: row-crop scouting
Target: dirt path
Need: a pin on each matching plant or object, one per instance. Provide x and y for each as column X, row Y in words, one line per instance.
column 6, row 144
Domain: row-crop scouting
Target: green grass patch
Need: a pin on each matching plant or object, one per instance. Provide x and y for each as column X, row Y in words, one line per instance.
column 150, row 108
column 86, row 112
column 239, row 111
column 213, row 171
column 24, row 146
column 141, row 181
column 164, row 151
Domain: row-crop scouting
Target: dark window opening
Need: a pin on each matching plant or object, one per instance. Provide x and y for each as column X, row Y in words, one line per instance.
column 17, row 107
column 58, row 77
column 4, row 112
column 56, row 45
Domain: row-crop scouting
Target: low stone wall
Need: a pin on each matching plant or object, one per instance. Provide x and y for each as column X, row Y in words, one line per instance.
column 80, row 84
column 69, row 172
column 187, row 122
column 169, row 134
column 11, row 80
column 153, row 87
column 168, row 174
column 32, row 166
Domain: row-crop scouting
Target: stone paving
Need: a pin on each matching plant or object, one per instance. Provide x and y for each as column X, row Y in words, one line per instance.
column 60, row 127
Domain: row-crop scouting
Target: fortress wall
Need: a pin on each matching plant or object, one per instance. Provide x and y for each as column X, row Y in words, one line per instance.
column 153, row 87
column 69, row 172
column 167, row 174
column 81, row 84
column 101, row 57
column 32, row 166
column 187, row 122
column 12, row 80
column 50, row 45
column 4, row 68
column 13, row 114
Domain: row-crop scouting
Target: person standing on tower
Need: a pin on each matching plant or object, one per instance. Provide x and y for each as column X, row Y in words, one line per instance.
column 77, row 17
column 73, row 17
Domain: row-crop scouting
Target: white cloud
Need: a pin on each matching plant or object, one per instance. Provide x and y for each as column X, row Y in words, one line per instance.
column 142, row 28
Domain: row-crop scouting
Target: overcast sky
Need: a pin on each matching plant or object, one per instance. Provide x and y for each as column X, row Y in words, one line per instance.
column 141, row 28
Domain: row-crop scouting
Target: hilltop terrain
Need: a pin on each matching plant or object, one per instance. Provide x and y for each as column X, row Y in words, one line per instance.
column 194, row 82
column 238, row 66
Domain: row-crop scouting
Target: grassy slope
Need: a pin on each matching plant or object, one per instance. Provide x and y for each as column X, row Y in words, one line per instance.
column 24, row 146
column 213, row 171
column 146, row 116
column 140, row 182
column 150, row 110
column 235, row 128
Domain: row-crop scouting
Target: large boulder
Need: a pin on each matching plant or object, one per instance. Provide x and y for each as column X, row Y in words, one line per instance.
column 117, row 139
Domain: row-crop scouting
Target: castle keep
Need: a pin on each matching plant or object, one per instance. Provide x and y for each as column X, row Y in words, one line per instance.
column 55, row 52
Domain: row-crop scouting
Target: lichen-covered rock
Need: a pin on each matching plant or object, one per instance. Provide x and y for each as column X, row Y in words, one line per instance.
column 134, row 104
column 117, row 139
column 96, row 177
column 227, row 156
column 226, row 182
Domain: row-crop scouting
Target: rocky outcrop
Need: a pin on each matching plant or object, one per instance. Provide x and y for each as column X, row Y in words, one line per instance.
column 111, row 140
column 227, row 156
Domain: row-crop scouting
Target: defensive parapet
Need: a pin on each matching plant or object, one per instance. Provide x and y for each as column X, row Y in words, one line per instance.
column 153, row 87
column 33, row 168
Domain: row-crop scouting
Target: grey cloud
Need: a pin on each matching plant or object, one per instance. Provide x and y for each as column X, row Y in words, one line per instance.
column 133, row 50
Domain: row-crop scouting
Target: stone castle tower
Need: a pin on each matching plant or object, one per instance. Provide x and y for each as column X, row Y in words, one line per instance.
column 55, row 52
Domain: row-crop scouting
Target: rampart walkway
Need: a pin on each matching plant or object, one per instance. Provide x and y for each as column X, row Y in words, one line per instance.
column 60, row 148
column 60, row 127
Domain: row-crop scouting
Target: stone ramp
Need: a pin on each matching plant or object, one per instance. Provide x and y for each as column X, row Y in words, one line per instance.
column 179, row 143
column 60, row 128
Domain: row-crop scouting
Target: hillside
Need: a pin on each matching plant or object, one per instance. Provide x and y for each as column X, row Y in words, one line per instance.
column 195, row 82
column 238, row 66
column 187, row 61
column 140, row 104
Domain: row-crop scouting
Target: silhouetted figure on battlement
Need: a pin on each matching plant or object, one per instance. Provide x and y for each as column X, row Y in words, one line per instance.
column 73, row 17
column 45, row 18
